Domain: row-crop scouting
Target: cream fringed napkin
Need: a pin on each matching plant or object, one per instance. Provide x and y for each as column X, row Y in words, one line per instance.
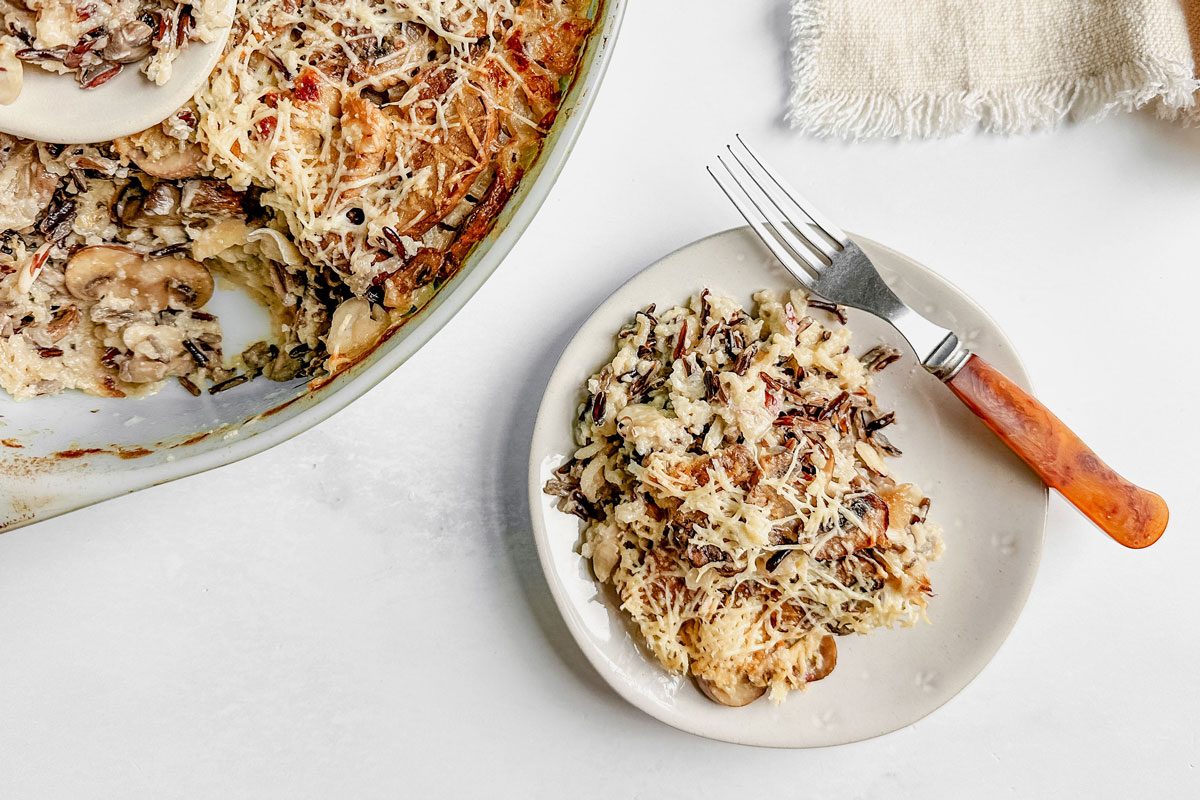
column 922, row 68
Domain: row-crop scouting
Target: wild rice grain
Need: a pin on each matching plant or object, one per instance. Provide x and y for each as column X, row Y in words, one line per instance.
column 236, row 380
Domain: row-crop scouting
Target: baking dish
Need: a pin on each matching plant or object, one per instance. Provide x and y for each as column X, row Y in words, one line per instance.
column 67, row 451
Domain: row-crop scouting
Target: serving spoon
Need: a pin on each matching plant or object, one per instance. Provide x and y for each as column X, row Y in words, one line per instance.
column 53, row 108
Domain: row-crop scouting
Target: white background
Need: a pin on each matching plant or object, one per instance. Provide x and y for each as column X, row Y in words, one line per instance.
column 359, row 612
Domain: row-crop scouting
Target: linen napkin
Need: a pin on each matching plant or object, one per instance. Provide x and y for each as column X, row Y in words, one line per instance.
column 927, row 68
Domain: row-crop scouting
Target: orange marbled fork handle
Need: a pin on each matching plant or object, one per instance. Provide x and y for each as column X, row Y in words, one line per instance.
column 1129, row 514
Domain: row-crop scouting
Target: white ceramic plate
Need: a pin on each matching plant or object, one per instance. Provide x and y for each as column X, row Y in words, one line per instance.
column 991, row 507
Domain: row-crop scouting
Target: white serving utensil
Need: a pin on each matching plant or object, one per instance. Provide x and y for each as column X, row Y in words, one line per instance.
column 54, row 108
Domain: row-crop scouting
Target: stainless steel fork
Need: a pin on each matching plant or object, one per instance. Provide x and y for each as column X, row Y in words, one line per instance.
column 829, row 264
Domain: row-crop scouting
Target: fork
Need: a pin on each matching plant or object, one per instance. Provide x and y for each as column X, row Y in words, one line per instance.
column 829, row 264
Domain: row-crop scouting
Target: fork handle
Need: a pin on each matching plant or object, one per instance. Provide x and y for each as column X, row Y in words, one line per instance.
column 1129, row 514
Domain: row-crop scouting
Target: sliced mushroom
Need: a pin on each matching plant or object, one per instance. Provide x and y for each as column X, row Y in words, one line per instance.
column 26, row 188
column 825, row 661
column 160, row 206
column 160, row 155
column 127, row 203
column 94, row 162
column 741, row 694
column 701, row 555
column 154, row 352
column 129, row 43
column 210, row 198
column 153, row 284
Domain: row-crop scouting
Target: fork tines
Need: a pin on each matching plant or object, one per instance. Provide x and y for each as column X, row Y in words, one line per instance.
column 791, row 227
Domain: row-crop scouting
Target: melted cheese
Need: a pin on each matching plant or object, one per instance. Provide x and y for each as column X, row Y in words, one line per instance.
column 330, row 107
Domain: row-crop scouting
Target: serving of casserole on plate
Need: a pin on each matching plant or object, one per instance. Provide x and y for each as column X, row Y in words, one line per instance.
column 355, row 175
column 737, row 502
column 733, row 479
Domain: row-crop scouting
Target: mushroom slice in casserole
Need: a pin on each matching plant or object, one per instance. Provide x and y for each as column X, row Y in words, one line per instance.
column 734, row 490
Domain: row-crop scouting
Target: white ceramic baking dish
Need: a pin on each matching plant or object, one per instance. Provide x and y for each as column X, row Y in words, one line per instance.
column 68, row 451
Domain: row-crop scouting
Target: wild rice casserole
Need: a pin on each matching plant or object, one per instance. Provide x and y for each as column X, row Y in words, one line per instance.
column 733, row 483
column 340, row 163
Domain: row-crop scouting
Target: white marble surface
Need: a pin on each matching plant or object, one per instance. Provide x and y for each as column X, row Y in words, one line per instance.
column 359, row 612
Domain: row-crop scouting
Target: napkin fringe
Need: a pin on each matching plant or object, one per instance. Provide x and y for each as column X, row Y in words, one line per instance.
column 1170, row 85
